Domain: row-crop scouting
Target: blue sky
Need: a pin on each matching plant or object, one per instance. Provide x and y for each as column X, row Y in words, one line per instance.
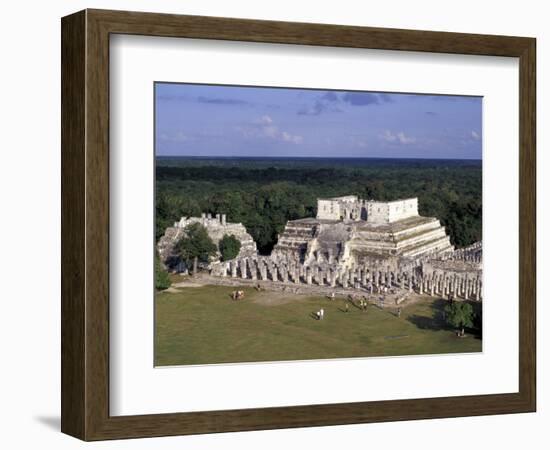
column 211, row 120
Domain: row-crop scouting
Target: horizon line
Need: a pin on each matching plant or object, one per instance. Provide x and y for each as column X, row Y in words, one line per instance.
column 313, row 157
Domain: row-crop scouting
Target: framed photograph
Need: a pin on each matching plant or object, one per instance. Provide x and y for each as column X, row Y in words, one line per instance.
column 273, row 225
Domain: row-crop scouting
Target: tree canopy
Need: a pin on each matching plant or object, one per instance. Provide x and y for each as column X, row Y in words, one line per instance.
column 196, row 244
column 162, row 280
column 459, row 315
column 263, row 194
column 229, row 247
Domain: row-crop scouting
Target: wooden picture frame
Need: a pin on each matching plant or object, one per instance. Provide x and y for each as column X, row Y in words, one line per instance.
column 85, row 224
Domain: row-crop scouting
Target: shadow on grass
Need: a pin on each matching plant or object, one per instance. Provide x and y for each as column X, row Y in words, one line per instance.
column 437, row 320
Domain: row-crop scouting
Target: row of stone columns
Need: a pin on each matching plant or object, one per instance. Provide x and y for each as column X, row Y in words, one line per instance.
column 465, row 286
column 250, row 268
column 473, row 253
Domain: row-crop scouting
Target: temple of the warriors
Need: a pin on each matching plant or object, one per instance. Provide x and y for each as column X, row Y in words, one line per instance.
column 354, row 231
column 351, row 246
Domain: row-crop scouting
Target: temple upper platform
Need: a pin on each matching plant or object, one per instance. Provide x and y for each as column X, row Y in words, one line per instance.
column 352, row 208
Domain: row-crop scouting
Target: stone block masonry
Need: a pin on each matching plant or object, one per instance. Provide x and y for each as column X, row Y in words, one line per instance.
column 216, row 228
column 350, row 230
column 375, row 279
column 352, row 208
column 364, row 246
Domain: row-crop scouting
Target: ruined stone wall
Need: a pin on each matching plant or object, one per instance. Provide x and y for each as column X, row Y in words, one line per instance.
column 338, row 208
column 293, row 241
column 352, row 208
column 403, row 209
column 377, row 212
column 388, row 212
column 328, row 209
column 216, row 227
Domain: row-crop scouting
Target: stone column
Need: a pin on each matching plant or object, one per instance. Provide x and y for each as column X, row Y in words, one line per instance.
column 322, row 277
column 243, row 269
column 234, row 269
column 308, row 275
column 263, row 271
column 478, row 290
column 332, row 276
column 253, row 269
column 351, row 277
column 284, row 274
column 453, row 285
column 344, row 280
column 275, row 273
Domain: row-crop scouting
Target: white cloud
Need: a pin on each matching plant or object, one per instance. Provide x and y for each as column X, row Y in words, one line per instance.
column 287, row 137
column 397, row 138
column 475, row 135
column 265, row 120
column 178, row 137
column 405, row 139
column 271, row 131
column 359, row 141
column 265, row 127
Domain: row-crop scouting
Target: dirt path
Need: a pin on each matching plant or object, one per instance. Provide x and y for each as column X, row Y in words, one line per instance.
column 272, row 298
column 186, row 284
column 280, row 293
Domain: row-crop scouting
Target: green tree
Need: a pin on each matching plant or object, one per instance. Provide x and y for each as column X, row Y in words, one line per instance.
column 263, row 195
column 229, row 247
column 162, row 280
column 196, row 245
column 459, row 315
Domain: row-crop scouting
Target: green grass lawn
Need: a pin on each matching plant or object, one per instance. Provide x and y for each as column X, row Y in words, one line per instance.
column 202, row 325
